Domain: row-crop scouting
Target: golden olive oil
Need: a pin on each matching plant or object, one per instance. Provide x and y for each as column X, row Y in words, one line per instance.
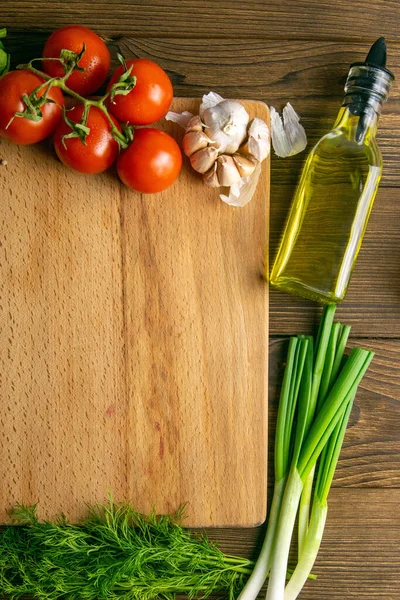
column 334, row 198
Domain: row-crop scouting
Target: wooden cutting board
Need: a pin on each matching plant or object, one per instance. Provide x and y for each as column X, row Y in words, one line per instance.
column 134, row 337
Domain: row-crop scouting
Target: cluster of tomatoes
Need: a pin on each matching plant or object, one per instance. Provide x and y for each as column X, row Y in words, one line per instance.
column 91, row 135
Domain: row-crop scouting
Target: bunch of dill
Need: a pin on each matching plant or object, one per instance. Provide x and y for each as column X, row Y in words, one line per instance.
column 115, row 552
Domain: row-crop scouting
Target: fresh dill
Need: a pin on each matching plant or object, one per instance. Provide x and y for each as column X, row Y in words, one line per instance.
column 115, row 552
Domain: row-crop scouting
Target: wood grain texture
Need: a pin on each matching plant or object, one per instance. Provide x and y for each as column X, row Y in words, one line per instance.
column 297, row 19
column 310, row 75
column 135, row 354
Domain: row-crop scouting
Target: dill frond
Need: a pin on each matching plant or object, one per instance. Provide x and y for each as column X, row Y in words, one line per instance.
column 114, row 553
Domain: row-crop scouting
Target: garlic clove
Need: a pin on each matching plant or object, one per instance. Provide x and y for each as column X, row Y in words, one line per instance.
column 241, row 193
column 194, row 124
column 245, row 165
column 210, row 178
column 259, row 139
column 203, row 159
column 194, row 141
column 227, row 171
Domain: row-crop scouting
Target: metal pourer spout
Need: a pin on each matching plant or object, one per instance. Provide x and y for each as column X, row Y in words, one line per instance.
column 367, row 86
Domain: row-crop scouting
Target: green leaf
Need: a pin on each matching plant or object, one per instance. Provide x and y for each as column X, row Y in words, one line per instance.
column 4, row 57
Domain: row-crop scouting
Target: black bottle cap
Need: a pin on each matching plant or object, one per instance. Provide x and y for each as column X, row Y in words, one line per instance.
column 376, row 57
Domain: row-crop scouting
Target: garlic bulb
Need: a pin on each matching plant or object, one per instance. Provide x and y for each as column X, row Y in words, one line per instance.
column 224, row 147
column 226, row 124
column 209, row 100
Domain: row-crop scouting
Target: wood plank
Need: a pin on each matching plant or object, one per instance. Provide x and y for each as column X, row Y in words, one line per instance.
column 135, row 342
column 359, row 555
column 370, row 455
column 202, row 274
column 372, row 304
column 61, row 361
column 309, row 74
column 302, row 19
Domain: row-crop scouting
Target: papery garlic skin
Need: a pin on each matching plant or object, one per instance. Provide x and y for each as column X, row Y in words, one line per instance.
column 181, row 119
column 289, row 136
column 241, row 193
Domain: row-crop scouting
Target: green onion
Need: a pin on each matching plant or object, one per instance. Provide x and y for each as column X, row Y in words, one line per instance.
column 297, row 356
column 333, row 361
column 319, row 511
column 323, row 346
column 314, row 408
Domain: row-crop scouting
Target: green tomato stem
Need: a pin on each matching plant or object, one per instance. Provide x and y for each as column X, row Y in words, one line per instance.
column 60, row 82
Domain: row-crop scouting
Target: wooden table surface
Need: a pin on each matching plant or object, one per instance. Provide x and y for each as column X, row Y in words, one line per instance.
column 297, row 51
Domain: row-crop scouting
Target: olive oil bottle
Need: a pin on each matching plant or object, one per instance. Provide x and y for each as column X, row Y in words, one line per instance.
column 337, row 188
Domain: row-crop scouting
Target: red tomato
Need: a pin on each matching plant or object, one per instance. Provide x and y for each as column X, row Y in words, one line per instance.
column 13, row 86
column 150, row 98
column 95, row 61
column 100, row 150
column 151, row 163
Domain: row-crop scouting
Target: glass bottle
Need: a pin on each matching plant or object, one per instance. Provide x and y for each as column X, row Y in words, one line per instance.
column 337, row 188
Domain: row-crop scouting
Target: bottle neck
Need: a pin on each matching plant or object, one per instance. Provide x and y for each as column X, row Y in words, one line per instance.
column 358, row 122
column 366, row 88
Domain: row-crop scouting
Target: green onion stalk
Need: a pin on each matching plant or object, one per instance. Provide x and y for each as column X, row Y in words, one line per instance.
column 330, row 359
column 331, row 413
column 298, row 354
column 316, row 399
column 310, row 406
column 319, row 511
